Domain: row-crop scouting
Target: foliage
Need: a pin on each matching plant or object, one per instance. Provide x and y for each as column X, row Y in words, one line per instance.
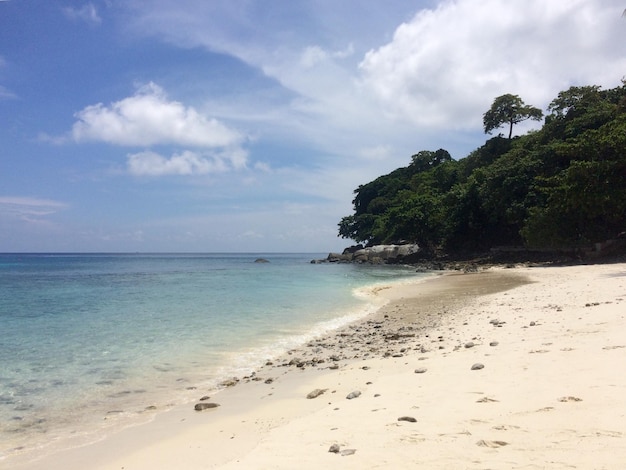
column 509, row 109
column 561, row 186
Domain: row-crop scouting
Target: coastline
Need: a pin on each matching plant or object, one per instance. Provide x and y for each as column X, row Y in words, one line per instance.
column 549, row 394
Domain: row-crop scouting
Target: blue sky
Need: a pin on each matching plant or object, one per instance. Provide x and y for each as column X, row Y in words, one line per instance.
column 198, row 125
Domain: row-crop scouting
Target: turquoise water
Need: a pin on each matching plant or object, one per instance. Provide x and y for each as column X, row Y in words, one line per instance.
column 88, row 342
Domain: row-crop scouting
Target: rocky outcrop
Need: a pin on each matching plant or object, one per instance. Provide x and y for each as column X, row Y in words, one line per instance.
column 378, row 254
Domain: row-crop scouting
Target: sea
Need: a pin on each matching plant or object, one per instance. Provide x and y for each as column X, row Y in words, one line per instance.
column 90, row 343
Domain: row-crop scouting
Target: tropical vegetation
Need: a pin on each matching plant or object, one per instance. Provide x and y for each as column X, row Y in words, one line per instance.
column 563, row 186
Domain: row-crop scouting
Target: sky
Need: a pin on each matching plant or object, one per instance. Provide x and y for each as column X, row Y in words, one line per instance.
column 246, row 125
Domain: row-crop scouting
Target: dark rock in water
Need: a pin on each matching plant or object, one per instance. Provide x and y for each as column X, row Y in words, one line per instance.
column 409, row 419
column 478, row 366
column 354, row 394
column 316, row 393
column 261, row 260
column 334, row 449
column 205, row 406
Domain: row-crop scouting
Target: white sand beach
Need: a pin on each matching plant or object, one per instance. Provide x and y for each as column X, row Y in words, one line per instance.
column 550, row 393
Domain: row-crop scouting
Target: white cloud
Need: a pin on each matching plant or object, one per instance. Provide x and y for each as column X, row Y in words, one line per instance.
column 87, row 13
column 29, row 209
column 150, row 163
column 5, row 94
column 444, row 67
column 148, row 118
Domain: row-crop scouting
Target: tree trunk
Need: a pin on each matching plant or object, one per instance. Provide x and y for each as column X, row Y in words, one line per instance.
column 511, row 129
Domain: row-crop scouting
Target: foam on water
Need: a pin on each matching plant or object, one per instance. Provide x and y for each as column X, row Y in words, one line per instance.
column 89, row 342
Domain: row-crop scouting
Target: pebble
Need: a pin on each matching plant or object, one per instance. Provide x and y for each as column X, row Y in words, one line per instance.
column 316, row 393
column 334, row 449
column 205, row 406
column 345, row 452
column 420, row 370
column 493, row 343
column 478, row 366
column 410, row 419
column 469, row 345
column 354, row 394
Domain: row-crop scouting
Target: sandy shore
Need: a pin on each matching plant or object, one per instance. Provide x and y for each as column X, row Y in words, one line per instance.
column 550, row 393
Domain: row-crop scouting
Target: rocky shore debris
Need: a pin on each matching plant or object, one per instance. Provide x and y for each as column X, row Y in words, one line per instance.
column 229, row 382
column 316, row 393
column 568, row 399
column 205, row 406
column 355, row 394
column 409, row 419
column 420, row 370
column 478, row 366
column 491, row 444
column 336, row 449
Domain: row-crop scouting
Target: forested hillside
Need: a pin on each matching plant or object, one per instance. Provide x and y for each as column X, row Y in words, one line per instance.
column 563, row 186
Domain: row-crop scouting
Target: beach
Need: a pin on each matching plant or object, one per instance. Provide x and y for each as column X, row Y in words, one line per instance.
column 503, row 368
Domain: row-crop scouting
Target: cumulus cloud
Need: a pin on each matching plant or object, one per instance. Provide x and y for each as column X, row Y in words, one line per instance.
column 87, row 13
column 449, row 62
column 150, row 163
column 148, row 118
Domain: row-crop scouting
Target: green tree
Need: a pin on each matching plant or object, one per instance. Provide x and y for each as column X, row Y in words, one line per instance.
column 509, row 109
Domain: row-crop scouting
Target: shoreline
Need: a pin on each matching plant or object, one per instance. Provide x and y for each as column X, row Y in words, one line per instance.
column 444, row 326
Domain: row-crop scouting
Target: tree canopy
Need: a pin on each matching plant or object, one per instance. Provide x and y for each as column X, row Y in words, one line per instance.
column 561, row 186
column 509, row 109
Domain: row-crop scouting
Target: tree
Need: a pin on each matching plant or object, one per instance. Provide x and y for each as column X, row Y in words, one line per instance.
column 509, row 109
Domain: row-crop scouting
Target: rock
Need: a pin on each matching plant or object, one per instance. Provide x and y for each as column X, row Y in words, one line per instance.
column 377, row 254
column 205, row 406
column 334, row 449
column 409, row 419
column 230, row 382
column 269, row 381
column 478, row 366
column 205, row 398
column 354, row 394
column 493, row 343
column 469, row 345
column 345, row 452
column 420, row 370
column 316, row 393
column 261, row 260
column 532, row 323
column 339, row 258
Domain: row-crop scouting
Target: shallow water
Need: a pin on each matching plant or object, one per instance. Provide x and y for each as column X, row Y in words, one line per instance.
column 91, row 341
